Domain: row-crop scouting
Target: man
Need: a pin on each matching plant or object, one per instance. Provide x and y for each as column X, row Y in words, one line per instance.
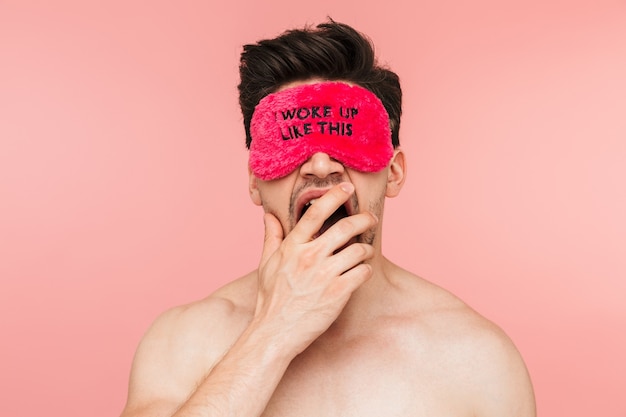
column 326, row 326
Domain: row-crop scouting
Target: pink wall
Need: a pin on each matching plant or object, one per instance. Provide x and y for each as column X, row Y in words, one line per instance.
column 123, row 180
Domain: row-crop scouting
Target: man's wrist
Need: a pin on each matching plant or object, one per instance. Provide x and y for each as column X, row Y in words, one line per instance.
column 267, row 343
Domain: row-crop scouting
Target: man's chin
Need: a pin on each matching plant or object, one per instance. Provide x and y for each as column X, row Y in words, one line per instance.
column 368, row 237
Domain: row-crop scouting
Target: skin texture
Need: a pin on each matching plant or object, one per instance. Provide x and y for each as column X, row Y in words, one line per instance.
column 327, row 325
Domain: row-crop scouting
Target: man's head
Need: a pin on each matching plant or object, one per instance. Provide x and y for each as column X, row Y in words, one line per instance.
column 331, row 51
column 293, row 88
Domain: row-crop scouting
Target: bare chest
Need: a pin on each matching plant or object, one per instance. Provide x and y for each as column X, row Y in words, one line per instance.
column 363, row 382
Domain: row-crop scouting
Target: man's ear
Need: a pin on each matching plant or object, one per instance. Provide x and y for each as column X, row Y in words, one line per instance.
column 253, row 187
column 396, row 173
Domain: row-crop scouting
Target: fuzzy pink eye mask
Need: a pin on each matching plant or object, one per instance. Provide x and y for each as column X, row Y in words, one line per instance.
column 347, row 122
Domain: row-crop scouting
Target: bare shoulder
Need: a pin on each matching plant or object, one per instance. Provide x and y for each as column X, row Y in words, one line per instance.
column 184, row 343
column 480, row 359
column 496, row 377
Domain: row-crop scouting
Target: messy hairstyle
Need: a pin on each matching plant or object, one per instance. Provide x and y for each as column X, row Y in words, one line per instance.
column 331, row 51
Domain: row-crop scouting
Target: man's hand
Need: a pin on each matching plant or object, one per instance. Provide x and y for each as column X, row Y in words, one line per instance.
column 303, row 283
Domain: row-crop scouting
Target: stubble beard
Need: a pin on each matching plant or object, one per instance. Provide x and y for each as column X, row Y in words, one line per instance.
column 376, row 207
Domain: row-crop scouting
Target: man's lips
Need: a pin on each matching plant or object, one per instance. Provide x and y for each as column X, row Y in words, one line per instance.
column 306, row 197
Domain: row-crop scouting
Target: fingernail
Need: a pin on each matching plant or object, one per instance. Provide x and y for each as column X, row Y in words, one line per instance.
column 347, row 187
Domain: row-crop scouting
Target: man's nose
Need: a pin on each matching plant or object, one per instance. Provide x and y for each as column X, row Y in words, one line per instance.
column 321, row 165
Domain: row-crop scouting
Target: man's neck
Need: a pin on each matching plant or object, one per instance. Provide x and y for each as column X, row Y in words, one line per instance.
column 368, row 302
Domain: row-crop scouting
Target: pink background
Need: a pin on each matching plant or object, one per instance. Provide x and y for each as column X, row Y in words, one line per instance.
column 123, row 179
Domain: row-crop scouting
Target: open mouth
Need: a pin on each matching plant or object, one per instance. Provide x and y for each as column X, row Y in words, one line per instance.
column 339, row 214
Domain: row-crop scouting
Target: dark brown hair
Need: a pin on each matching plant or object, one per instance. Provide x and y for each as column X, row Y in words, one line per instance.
column 331, row 51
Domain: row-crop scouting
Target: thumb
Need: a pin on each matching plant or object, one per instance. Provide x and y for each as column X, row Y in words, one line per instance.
column 273, row 237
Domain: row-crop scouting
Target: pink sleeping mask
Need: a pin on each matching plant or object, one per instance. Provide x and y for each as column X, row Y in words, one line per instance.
column 347, row 122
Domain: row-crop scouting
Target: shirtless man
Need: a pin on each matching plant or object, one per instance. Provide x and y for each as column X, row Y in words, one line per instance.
column 326, row 326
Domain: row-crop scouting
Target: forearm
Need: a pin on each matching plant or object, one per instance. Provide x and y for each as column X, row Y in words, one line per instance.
column 242, row 383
